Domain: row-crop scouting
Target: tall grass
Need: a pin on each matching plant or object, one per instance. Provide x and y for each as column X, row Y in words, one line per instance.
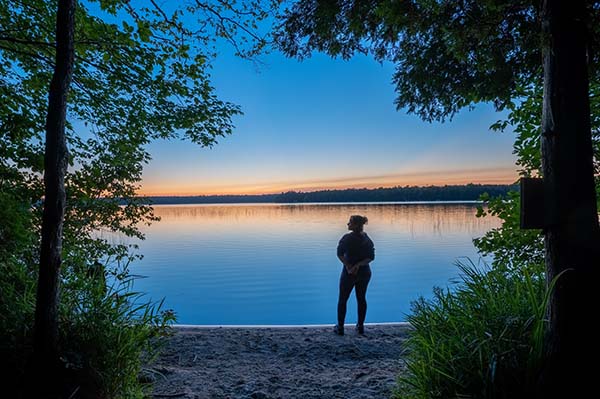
column 481, row 338
column 111, row 331
column 107, row 331
column 17, row 305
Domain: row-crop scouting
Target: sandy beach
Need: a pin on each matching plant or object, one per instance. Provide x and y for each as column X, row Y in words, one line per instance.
column 280, row 362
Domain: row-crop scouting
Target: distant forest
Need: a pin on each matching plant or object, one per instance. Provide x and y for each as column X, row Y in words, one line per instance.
column 468, row 192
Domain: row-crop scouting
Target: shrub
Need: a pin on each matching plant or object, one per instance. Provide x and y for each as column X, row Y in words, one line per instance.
column 17, row 304
column 481, row 339
column 107, row 331
column 17, row 284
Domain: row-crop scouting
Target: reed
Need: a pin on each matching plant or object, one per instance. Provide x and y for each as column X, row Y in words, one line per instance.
column 479, row 338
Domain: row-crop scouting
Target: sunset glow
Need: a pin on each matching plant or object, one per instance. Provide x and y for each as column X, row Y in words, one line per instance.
column 426, row 178
column 327, row 124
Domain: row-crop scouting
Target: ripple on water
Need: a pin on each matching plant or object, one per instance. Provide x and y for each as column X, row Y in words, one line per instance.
column 276, row 264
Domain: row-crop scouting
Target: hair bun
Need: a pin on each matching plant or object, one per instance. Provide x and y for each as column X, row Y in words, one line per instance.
column 359, row 219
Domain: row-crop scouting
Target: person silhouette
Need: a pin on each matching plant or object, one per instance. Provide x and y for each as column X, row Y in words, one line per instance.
column 356, row 251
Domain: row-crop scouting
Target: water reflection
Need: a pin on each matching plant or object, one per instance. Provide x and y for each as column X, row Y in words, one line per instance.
column 439, row 219
column 276, row 264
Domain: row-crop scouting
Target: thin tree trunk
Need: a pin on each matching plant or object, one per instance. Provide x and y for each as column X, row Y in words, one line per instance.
column 46, row 351
column 572, row 238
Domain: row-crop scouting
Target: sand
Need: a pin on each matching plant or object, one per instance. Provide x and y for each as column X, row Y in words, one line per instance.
column 280, row 362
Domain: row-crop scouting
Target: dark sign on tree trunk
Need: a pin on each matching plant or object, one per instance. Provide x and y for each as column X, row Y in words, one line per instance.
column 533, row 207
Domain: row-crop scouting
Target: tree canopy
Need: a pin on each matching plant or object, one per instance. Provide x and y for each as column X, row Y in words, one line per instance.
column 142, row 72
column 448, row 54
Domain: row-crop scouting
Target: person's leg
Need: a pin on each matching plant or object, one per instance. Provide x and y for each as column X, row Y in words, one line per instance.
column 346, row 285
column 361, row 297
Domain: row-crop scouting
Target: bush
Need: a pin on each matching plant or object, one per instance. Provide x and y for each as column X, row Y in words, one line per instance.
column 17, row 284
column 17, row 305
column 482, row 339
column 107, row 331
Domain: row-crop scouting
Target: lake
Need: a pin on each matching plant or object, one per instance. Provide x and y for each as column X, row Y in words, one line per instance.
column 269, row 264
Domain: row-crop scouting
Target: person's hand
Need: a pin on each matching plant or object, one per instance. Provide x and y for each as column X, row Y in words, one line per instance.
column 354, row 269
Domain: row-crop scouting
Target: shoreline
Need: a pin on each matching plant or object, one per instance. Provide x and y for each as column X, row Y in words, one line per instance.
column 346, row 326
column 268, row 362
column 351, row 203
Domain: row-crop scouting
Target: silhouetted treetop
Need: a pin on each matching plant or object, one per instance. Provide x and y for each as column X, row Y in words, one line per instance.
column 448, row 54
column 468, row 192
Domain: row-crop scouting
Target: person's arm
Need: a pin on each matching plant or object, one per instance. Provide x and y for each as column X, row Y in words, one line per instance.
column 341, row 250
column 358, row 265
column 347, row 264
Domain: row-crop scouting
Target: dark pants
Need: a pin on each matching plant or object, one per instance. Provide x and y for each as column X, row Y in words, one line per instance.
column 359, row 281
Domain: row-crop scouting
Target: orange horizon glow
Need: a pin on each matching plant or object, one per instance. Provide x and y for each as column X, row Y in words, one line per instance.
column 422, row 178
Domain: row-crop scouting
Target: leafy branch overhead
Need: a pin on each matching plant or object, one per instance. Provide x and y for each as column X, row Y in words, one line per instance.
column 142, row 72
column 448, row 54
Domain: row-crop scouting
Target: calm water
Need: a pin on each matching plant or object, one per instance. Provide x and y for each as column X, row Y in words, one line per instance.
column 277, row 264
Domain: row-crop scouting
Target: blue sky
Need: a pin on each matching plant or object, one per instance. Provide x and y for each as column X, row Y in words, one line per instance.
column 325, row 123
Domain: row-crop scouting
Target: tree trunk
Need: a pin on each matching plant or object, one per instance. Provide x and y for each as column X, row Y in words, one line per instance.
column 572, row 236
column 46, row 352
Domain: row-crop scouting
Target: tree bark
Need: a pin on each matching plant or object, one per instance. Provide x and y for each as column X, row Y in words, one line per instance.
column 572, row 236
column 45, row 345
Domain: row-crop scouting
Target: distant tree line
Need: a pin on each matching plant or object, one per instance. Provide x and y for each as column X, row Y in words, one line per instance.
column 468, row 192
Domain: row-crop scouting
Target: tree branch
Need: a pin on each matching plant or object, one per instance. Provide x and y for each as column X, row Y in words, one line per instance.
column 11, row 39
column 48, row 61
column 224, row 19
column 164, row 15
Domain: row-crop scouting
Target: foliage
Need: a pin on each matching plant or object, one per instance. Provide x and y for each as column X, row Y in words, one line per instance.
column 141, row 73
column 17, row 280
column 481, row 339
column 98, row 314
column 16, row 228
column 508, row 244
column 17, row 304
column 94, row 316
column 448, row 54
column 511, row 247
column 525, row 119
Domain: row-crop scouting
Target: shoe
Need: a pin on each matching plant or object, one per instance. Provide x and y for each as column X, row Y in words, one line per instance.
column 338, row 330
column 360, row 328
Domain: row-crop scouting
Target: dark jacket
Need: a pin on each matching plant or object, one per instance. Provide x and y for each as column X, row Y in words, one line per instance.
column 356, row 247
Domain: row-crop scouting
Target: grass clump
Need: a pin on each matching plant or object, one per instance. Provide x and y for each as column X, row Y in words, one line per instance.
column 110, row 332
column 107, row 331
column 481, row 339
